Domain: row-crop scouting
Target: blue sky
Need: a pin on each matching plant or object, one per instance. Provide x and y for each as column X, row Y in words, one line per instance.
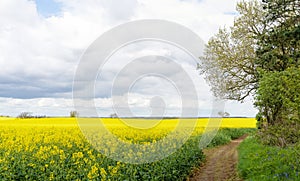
column 48, row 7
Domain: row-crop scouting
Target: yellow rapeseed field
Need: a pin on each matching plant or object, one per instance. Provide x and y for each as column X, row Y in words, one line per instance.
column 56, row 149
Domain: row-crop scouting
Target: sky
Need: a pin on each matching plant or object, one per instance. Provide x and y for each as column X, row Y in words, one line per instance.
column 42, row 42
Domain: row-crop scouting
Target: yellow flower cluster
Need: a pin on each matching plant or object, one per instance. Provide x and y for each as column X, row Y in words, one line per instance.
column 56, row 149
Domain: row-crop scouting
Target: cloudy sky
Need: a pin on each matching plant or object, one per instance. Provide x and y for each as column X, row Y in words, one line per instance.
column 42, row 42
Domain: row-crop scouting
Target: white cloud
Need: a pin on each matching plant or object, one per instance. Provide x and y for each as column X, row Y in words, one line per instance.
column 37, row 106
column 203, row 17
column 39, row 54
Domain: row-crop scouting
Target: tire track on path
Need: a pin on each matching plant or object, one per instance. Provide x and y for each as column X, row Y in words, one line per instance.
column 220, row 163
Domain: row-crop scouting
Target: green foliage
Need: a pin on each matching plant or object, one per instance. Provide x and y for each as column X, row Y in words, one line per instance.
column 65, row 154
column 260, row 120
column 279, row 45
column 260, row 55
column 280, row 135
column 225, row 135
column 219, row 139
column 175, row 167
column 278, row 95
column 259, row 162
column 229, row 57
column 74, row 114
column 278, row 99
column 235, row 133
column 55, row 154
column 278, row 62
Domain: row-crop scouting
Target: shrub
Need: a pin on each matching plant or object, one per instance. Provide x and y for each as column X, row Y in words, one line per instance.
column 278, row 99
column 281, row 135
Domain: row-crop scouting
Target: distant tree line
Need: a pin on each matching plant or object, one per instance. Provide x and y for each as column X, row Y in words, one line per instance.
column 25, row 115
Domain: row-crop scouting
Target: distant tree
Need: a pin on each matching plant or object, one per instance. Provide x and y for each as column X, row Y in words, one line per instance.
column 223, row 114
column 24, row 115
column 113, row 115
column 40, row 116
column 4, row 116
column 226, row 114
column 74, row 114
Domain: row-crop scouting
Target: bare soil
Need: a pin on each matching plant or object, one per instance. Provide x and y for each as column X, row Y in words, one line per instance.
column 220, row 164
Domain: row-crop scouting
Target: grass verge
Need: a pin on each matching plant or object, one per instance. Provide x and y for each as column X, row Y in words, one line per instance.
column 225, row 135
column 260, row 162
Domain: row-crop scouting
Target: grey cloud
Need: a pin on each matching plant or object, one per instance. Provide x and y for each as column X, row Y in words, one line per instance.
column 28, row 86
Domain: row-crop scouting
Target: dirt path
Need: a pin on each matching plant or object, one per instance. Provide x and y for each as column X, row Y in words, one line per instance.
column 220, row 163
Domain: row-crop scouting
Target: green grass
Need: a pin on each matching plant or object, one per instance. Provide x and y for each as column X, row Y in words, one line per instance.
column 260, row 162
column 225, row 135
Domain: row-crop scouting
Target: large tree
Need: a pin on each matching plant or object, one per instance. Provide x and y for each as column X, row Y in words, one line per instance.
column 229, row 58
column 278, row 51
column 279, row 45
column 264, row 37
column 259, row 56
